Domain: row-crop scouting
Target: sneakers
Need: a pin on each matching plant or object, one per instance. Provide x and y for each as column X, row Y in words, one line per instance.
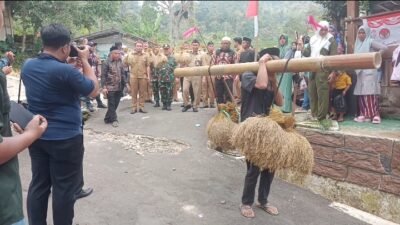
column 134, row 111
column 101, row 106
column 142, row 111
column 90, row 108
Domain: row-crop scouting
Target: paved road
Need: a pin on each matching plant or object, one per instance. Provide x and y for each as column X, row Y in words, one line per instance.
column 170, row 177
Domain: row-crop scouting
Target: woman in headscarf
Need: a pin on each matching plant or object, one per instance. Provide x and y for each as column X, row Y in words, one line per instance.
column 321, row 44
column 368, row 86
column 286, row 81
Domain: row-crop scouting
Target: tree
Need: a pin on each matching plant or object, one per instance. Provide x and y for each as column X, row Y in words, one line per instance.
column 147, row 23
column 30, row 16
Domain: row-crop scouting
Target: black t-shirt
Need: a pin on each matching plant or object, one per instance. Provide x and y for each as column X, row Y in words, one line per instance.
column 246, row 56
column 254, row 101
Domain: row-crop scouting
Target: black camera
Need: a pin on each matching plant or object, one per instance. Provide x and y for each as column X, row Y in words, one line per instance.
column 306, row 39
column 74, row 52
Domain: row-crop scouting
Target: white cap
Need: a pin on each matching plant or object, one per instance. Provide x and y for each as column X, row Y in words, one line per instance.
column 226, row 39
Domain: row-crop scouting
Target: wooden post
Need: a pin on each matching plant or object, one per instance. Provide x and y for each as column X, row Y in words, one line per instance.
column 352, row 13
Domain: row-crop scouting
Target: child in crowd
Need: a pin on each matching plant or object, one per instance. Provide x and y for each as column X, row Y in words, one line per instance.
column 341, row 86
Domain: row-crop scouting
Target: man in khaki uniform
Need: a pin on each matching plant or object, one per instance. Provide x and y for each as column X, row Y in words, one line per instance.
column 140, row 72
column 208, row 82
column 195, row 81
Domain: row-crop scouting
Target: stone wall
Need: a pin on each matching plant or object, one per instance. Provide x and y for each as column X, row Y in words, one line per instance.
column 366, row 161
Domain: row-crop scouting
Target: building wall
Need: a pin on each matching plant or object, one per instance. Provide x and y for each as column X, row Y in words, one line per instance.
column 371, row 162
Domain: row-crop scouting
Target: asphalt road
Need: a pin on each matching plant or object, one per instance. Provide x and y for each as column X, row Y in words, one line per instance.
column 156, row 169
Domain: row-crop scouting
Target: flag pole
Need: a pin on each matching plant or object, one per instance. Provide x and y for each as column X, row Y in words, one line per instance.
column 255, row 37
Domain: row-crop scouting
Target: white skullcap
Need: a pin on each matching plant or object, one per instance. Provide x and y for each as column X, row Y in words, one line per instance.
column 226, row 39
column 324, row 24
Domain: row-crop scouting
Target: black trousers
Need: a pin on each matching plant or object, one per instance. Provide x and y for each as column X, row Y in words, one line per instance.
column 114, row 98
column 250, row 183
column 222, row 93
column 56, row 165
column 98, row 100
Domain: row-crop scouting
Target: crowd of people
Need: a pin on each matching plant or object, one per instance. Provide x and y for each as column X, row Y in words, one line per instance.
column 55, row 91
column 148, row 74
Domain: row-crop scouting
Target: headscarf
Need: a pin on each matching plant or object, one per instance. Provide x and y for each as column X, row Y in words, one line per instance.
column 363, row 46
column 283, row 48
column 317, row 42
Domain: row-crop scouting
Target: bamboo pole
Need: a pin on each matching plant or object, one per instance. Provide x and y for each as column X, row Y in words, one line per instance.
column 371, row 60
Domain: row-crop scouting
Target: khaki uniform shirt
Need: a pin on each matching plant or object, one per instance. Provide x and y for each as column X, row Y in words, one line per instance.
column 195, row 59
column 138, row 63
column 206, row 59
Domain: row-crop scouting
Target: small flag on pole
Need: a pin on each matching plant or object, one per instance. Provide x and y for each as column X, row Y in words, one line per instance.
column 190, row 32
column 252, row 11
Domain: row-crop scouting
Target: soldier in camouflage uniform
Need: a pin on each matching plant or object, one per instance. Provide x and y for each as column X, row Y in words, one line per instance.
column 165, row 69
column 156, row 56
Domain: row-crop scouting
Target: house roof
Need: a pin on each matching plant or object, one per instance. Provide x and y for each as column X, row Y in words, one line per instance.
column 111, row 32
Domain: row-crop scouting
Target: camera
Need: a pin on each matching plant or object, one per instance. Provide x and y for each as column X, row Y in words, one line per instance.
column 306, row 39
column 74, row 52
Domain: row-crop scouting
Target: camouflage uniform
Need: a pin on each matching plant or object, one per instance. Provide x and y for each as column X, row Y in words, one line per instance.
column 166, row 81
column 155, row 80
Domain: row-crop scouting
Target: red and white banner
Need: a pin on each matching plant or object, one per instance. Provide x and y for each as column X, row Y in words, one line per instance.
column 385, row 28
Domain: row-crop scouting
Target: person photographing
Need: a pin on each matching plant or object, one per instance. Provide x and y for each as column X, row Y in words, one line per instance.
column 53, row 88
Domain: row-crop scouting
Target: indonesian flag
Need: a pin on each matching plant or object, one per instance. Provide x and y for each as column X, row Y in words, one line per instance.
column 190, row 32
column 252, row 11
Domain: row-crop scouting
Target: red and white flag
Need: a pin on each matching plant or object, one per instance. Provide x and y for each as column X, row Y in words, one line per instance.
column 252, row 11
column 190, row 32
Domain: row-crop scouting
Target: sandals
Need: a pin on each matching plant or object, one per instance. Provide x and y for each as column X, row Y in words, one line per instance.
column 269, row 209
column 247, row 211
column 361, row 119
column 376, row 120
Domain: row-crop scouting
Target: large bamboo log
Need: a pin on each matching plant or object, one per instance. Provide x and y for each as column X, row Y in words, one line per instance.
column 371, row 60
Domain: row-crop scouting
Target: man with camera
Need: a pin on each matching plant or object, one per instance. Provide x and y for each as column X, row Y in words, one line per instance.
column 10, row 183
column 53, row 88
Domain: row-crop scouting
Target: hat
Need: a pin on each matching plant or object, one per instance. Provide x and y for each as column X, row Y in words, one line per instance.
column 165, row 46
column 226, row 39
column 247, row 39
column 210, row 43
column 270, row 51
column 113, row 48
column 92, row 43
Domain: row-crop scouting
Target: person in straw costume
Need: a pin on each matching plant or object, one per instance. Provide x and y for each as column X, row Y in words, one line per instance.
column 259, row 92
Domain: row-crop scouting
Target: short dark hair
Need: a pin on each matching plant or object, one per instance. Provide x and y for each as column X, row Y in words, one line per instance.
column 210, row 43
column 118, row 44
column 195, row 41
column 55, row 35
column 113, row 48
column 238, row 40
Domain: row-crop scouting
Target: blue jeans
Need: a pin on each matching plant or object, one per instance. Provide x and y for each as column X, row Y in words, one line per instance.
column 21, row 222
column 306, row 100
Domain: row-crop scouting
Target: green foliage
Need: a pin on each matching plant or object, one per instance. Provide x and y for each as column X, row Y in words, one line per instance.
column 147, row 23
